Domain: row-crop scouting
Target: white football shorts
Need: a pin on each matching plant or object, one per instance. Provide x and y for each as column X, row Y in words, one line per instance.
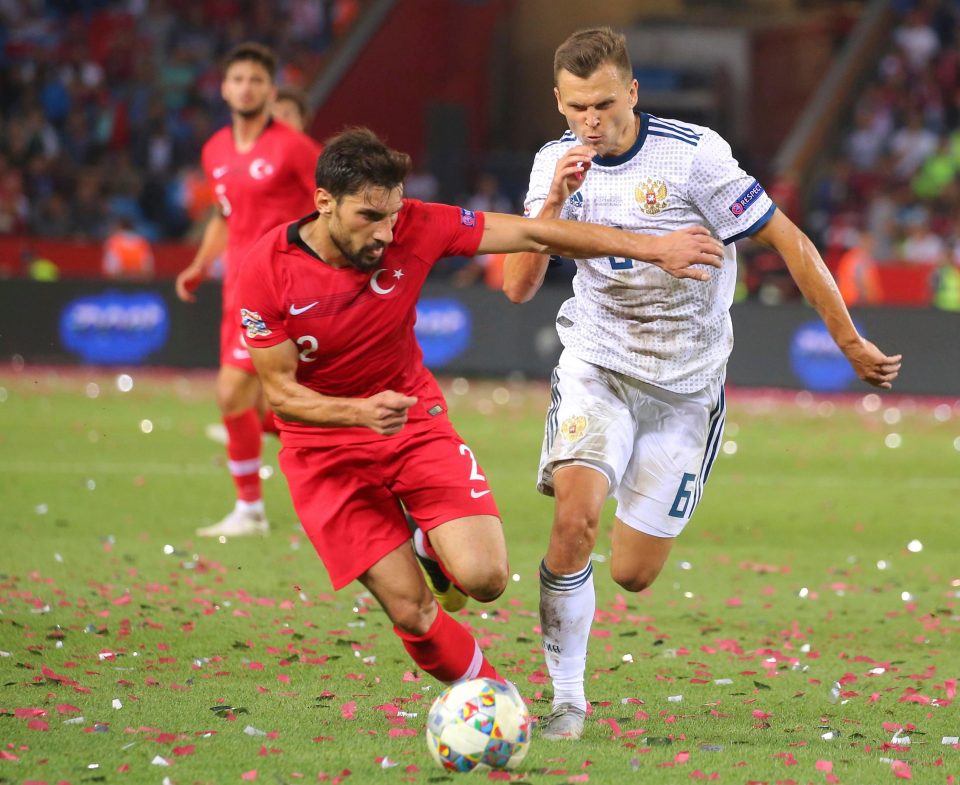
column 655, row 447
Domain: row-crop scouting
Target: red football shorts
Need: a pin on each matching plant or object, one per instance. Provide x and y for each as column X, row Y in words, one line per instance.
column 233, row 349
column 348, row 495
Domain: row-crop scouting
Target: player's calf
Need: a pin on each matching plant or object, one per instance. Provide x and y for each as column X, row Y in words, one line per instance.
column 638, row 557
column 632, row 580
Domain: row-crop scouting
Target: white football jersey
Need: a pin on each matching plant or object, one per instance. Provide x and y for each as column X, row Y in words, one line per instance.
column 630, row 316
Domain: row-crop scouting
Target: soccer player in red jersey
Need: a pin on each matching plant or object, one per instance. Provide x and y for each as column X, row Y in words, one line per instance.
column 260, row 173
column 290, row 107
column 328, row 305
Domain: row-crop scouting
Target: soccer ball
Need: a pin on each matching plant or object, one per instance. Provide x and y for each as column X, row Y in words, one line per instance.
column 480, row 724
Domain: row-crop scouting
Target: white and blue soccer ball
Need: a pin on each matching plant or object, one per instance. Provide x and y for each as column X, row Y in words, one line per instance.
column 480, row 725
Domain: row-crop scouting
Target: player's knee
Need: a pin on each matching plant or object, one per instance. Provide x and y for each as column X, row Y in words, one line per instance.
column 484, row 581
column 634, row 578
column 576, row 529
column 229, row 400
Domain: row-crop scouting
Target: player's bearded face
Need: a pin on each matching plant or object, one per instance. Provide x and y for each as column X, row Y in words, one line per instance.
column 361, row 226
column 599, row 108
column 247, row 88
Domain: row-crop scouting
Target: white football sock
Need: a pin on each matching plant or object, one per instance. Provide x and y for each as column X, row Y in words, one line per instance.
column 567, row 606
column 418, row 546
column 254, row 508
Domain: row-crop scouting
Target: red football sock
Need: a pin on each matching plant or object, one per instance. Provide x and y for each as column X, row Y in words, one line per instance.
column 448, row 652
column 243, row 451
column 269, row 423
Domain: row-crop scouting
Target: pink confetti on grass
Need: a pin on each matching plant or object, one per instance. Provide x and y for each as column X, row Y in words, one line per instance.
column 38, row 725
column 787, row 758
column 614, row 726
column 394, row 732
column 901, row 769
column 824, row 765
column 348, row 710
column 249, row 776
column 50, row 674
column 31, row 712
column 950, row 685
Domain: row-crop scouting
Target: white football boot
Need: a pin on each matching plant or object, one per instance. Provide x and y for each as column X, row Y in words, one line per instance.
column 241, row 522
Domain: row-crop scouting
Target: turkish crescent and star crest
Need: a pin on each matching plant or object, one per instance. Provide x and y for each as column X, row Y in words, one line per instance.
column 651, row 195
column 380, row 288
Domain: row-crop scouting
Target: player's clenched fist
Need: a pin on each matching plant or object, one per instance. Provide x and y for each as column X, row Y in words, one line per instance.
column 570, row 171
column 691, row 245
column 386, row 412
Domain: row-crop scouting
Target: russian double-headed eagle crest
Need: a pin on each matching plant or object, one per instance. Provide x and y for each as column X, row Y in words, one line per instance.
column 573, row 428
column 652, row 196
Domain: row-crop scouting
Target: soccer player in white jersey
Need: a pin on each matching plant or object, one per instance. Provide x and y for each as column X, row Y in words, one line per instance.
column 637, row 404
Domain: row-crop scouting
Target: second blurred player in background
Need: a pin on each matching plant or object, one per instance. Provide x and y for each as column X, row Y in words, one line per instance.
column 260, row 172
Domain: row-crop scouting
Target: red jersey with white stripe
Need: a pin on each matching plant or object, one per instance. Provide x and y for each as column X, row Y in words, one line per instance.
column 354, row 329
column 261, row 188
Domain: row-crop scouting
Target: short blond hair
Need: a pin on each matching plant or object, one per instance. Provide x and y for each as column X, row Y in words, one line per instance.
column 586, row 50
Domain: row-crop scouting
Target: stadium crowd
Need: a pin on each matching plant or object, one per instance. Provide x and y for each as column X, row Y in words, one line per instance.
column 105, row 104
column 892, row 184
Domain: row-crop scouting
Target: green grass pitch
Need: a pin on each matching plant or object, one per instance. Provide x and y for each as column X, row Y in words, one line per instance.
column 825, row 552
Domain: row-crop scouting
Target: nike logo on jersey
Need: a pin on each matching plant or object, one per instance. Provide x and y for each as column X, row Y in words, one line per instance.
column 477, row 494
column 219, row 172
column 294, row 311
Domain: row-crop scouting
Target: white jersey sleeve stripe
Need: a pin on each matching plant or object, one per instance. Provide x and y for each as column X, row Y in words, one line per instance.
column 656, row 122
column 684, row 139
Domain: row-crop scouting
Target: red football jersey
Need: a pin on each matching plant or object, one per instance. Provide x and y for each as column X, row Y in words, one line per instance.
column 261, row 188
column 354, row 329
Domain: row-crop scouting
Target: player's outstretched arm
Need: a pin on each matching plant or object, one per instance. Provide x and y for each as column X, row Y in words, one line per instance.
column 385, row 413
column 674, row 252
column 213, row 243
column 817, row 285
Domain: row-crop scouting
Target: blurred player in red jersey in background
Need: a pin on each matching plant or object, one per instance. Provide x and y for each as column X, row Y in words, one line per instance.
column 290, row 107
column 260, row 174
column 328, row 304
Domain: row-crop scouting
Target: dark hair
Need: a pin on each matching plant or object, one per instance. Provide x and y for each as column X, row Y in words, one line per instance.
column 586, row 50
column 296, row 96
column 253, row 52
column 355, row 159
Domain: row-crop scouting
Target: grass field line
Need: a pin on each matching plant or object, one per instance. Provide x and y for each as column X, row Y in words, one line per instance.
column 185, row 469
column 833, row 481
column 104, row 467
